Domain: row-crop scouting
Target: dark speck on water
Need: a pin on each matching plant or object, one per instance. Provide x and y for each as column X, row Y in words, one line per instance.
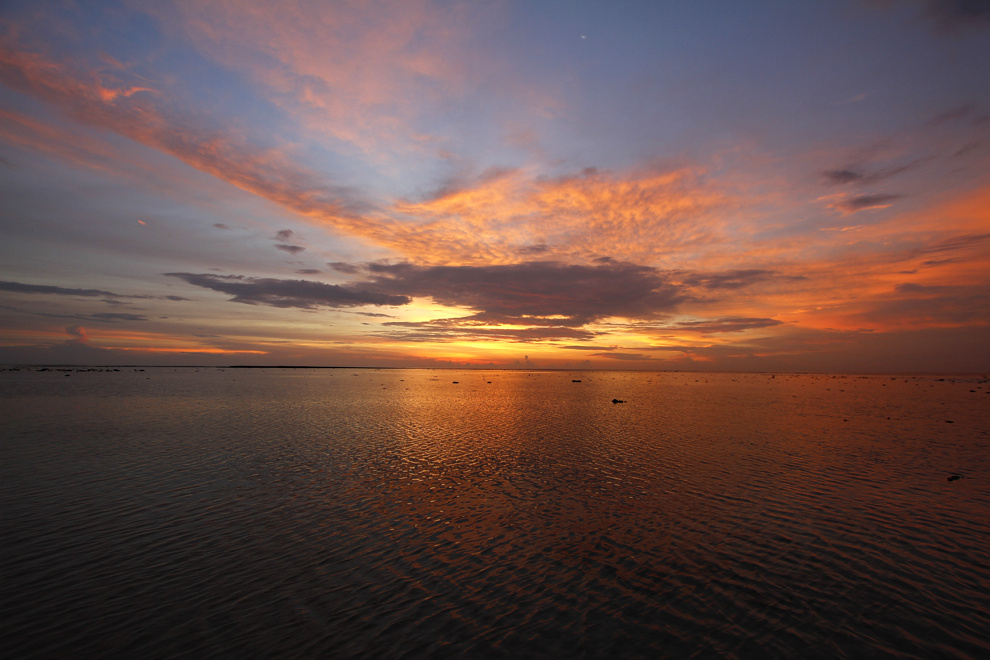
column 295, row 513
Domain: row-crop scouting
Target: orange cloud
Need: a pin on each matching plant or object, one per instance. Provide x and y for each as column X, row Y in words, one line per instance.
column 643, row 217
column 504, row 218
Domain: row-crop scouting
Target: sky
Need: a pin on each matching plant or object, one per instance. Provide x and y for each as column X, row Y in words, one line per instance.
column 753, row 186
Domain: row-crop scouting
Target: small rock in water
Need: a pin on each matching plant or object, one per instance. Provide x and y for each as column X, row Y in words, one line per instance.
column 955, row 477
column 575, row 381
column 617, row 401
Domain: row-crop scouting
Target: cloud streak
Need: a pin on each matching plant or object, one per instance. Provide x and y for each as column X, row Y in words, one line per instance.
column 724, row 325
column 302, row 294
column 18, row 287
column 856, row 203
column 291, row 249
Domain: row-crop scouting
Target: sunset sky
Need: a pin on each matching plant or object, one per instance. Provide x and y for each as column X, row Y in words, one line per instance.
column 622, row 185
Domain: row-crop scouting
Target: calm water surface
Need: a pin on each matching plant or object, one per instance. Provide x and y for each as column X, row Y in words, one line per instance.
column 381, row 513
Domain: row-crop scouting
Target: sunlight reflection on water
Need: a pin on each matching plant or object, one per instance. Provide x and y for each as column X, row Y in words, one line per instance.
column 391, row 513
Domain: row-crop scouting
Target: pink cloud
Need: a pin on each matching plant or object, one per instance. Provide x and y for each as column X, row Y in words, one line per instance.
column 362, row 73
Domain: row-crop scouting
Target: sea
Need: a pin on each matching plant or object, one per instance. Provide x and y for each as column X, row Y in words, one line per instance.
column 374, row 513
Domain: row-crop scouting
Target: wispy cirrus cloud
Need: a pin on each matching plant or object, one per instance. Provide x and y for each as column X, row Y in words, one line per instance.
column 372, row 76
column 328, row 66
column 955, row 244
column 148, row 119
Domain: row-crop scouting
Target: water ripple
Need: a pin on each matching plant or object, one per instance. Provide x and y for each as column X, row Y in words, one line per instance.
column 360, row 513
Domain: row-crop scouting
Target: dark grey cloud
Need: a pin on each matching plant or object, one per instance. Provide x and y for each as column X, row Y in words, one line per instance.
column 112, row 317
column 729, row 324
column 950, row 14
column 18, row 287
column 533, row 249
column 543, row 300
column 347, row 269
column 101, row 317
column 734, row 279
column 550, row 300
column 303, row 294
column 863, row 202
column 536, row 293
column 293, row 249
column 109, row 297
column 850, row 175
column 308, row 271
column 283, row 234
column 842, row 176
column 220, row 225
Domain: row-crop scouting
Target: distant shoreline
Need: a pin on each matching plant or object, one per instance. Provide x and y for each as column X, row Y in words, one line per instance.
column 104, row 367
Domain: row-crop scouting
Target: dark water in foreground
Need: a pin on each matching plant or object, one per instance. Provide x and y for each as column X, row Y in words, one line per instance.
column 361, row 513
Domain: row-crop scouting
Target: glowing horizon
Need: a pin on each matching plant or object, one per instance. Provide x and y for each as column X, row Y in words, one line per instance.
column 666, row 186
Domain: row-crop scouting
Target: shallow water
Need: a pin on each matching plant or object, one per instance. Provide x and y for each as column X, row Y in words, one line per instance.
column 398, row 513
